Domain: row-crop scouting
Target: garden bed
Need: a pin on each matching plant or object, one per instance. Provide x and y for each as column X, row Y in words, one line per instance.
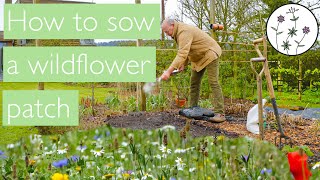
column 301, row 132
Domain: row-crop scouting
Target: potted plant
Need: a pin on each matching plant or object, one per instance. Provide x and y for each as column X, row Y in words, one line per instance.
column 182, row 85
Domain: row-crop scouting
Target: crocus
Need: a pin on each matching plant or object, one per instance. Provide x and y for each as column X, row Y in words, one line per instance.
column 298, row 165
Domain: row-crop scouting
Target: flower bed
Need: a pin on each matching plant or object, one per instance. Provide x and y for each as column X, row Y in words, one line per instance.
column 111, row 153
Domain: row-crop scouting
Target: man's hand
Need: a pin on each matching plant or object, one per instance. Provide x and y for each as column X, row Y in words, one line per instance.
column 165, row 76
column 181, row 68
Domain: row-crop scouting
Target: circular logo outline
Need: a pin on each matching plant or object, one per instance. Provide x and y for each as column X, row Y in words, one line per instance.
column 318, row 29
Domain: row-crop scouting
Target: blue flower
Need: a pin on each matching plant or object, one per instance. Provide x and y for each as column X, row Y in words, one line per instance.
column 245, row 158
column 265, row 171
column 96, row 137
column 61, row 163
column 2, row 156
column 75, row 158
column 108, row 133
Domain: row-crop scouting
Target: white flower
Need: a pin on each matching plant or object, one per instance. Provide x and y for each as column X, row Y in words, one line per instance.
column 120, row 170
column 192, row 169
column 97, row 152
column 164, row 149
column 178, row 151
column 130, row 135
column 190, row 149
column 62, row 151
column 35, row 139
column 124, row 144
column 180, row 164
column 82, row 148
column 146, row 175
column 149, row 133
column 317, row 165
column 10, row 146
column 168, row 127
column 155, row 143
column 85, row 157
column 90, row 164
column 158, row 156
column 48, row 153
column 123, row 156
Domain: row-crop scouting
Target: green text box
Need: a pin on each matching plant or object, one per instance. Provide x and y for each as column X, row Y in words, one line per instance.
column 40, row 108
column 82, row 21
column 79, row 64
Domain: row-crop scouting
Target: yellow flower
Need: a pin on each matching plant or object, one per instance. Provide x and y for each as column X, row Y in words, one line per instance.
column 209, row 178
column 126, row 175
column 108, row 176
column 32, row 162
column 220, row 138
column 54, row 139
column 58, row 176
column 78, row 168
column 109, row 165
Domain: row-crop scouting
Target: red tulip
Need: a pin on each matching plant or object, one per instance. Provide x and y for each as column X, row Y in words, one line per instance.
column 298, row 165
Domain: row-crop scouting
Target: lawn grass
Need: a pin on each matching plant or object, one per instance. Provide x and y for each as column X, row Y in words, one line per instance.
column 12, row 134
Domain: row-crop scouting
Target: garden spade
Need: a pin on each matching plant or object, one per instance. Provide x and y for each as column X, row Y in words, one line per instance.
column 148, row 87
column 283, row 137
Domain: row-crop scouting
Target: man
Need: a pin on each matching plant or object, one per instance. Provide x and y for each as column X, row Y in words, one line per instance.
column 203, row 52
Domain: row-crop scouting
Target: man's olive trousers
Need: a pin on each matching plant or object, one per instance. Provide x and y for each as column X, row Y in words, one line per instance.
column 213, row 76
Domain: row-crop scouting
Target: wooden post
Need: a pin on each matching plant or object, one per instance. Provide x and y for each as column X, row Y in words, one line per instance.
column 300, row 79
column 140, row 85
column 212, row 17
column 40, row 84
column 162, row 17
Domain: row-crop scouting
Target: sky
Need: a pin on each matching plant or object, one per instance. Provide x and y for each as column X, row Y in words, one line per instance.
column 171, row 5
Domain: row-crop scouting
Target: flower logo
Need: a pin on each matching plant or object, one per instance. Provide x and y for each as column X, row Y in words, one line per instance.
column 292, row 29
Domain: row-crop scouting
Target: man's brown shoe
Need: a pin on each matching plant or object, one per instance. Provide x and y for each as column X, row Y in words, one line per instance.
column 218, row 118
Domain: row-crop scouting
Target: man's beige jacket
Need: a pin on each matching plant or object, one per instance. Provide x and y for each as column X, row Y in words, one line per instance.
column 195, row 46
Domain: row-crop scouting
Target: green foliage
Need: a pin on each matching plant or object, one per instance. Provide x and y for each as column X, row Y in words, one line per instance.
column 306, row 149
column 206, row 103
column 113, row 101
column 118, row 153
column 156, row 102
